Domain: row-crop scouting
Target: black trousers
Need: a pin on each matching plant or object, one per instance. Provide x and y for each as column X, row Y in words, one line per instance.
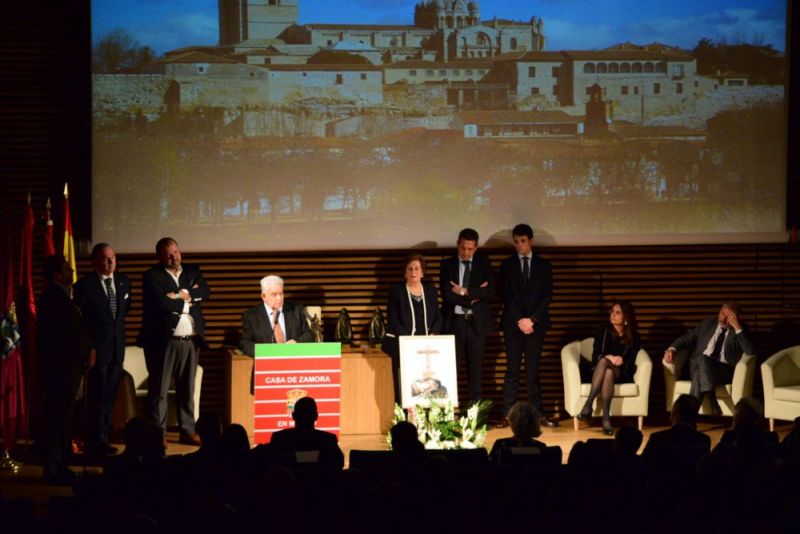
column 61, row 384
column 470, row 347
column 103, row 382
column 707, row 373
column 178, row 361
column 518, row 343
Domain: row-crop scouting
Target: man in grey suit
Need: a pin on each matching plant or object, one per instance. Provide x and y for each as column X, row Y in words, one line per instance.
column 716, row 345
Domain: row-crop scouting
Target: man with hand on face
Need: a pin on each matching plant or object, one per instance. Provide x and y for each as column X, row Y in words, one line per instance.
column 172, row 334
column 526, row 284
column 104, row 299
column 466, row 285
column 716, row 345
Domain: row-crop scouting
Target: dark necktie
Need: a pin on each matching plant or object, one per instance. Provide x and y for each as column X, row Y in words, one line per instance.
column 467, row 271
column 716, row 353
column 526, row 270
column 112, row 297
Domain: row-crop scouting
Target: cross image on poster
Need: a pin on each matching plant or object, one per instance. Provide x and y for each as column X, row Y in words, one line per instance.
column 428, row 369
column 285, row 373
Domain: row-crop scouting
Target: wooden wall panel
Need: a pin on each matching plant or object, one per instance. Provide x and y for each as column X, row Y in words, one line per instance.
column 672, row 288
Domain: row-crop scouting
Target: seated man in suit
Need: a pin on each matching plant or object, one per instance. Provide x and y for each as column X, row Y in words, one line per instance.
column 716, row 345
column 321, row 447
column 678, row 449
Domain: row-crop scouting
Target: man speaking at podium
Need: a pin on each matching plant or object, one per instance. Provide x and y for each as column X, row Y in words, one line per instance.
column 274, row 321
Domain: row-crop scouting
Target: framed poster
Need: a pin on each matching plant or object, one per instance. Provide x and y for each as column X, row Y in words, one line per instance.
column 428, row 369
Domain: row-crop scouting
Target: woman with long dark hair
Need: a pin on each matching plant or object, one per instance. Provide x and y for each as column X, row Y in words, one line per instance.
column 613, row 359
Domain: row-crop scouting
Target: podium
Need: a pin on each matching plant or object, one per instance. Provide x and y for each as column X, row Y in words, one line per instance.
column 367, row 394
column 285, row 373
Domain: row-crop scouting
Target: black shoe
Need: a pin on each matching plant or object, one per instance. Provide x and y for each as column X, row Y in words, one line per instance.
column 608, row 431
column 716, row 409
column 583, row 416
column 544, row 421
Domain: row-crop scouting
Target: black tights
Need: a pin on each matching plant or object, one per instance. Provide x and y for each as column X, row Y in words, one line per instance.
column 605, row 374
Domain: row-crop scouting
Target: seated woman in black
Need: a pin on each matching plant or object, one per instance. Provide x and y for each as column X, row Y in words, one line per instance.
column 413, row 310
column 613, row 359
column 524, row 421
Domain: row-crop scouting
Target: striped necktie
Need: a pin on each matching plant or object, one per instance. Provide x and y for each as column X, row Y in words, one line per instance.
column 112, row 296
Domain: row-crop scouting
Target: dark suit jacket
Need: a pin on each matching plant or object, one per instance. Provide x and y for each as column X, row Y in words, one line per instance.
column 108, row 333
column 256, row 327
column 481, row 273
column 539, row 294
column 160, row 314
column 399, row 317
column 293, row 440
column 678, row 448
column 697, row 339
column 63, row 341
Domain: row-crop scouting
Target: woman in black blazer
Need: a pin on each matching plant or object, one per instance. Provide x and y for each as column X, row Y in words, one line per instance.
column 413, row 310
column 613, row 359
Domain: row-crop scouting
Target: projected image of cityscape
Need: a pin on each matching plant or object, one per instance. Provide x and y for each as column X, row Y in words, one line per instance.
column 247, row 125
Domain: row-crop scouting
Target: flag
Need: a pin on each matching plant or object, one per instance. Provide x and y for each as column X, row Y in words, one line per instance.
column 12, row 380
column 26, row 263
column 69, row 242
column 49, row 244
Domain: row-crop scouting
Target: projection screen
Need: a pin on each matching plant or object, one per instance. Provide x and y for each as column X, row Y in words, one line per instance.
column 305, row 125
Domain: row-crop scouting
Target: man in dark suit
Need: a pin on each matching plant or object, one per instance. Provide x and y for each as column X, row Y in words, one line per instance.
column 259, row 322
column 716, row 345
column 320, row 447
column 526, row 283
column 172, row 334
column 678, row 449
column 64, row 352
column 104, row 298
column 466, row 285
column 274, row 321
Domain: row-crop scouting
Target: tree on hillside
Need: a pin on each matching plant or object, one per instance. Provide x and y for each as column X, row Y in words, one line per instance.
column 119, row 50
column 761, row 63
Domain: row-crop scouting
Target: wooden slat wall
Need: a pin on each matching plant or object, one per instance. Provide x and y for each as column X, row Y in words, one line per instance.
column 671, row 287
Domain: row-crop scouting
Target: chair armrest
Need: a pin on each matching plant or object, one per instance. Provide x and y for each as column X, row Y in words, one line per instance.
column 742, row 384
column 643, row 375
column 570, row 367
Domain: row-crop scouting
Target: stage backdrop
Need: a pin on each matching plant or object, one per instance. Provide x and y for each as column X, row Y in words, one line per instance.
column 273, row 125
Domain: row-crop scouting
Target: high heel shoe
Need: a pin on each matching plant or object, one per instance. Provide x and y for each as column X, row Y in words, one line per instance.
column 583, row 416
column 608, row 431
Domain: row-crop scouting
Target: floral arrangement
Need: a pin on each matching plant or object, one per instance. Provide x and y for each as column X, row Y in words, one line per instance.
column 438, row 428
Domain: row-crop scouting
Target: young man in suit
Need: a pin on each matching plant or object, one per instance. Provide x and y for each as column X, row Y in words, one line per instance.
column 104, row 298
column 716, row 345
column 172, row 334
column 526, row 284
column 466, row 285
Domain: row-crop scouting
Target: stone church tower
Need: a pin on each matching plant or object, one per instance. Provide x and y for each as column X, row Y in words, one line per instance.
column 243, row 20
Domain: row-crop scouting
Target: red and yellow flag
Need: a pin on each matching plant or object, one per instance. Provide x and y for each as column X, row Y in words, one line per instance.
column 69, row 242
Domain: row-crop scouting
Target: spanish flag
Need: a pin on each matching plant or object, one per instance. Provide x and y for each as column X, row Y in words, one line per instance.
column 69, row 242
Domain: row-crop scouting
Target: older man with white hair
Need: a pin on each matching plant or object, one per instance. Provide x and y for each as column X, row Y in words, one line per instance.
column 274, row 321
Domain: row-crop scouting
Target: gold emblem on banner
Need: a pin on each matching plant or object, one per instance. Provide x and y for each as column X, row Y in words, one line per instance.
column 293, row 395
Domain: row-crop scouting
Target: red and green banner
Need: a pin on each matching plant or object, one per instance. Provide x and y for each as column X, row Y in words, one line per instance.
column 287, row 372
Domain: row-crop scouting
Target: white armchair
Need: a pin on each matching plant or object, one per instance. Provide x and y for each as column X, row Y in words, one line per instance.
column 132, row 391
column 781, row 377
column 630, row 399
column 727, row 394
